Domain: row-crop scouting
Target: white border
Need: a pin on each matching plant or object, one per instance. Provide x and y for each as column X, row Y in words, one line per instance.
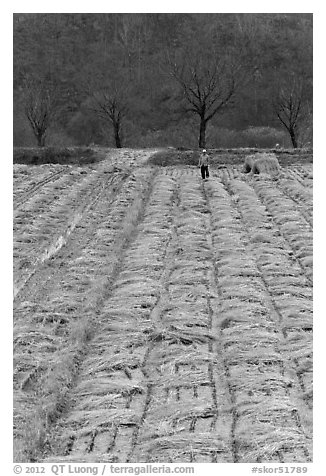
column 319, row 187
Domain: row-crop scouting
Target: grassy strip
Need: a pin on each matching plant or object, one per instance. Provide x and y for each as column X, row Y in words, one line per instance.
column 218, row 157
column 56, row 155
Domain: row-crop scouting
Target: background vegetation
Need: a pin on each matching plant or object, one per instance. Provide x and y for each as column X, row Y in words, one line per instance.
column 131, row 80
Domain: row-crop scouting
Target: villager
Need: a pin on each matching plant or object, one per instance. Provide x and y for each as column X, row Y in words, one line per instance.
column 203, row 164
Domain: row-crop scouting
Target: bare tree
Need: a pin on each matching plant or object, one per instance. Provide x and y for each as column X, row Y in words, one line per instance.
column 41, row 105
column 290, row 108
column 110, row 104
column 208, row 83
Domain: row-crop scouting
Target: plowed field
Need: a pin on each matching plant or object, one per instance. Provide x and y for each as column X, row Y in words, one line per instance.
column 162, row 318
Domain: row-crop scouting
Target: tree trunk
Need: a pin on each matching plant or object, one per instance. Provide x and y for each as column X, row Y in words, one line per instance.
column 202, row 133
column 117, row 137
column 293, row 139
column 40, row 139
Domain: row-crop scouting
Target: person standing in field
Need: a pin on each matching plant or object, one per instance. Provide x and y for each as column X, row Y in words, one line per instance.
column 203, row 164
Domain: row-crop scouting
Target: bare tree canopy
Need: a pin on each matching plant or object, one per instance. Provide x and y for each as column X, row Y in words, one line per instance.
column 40, row 106
column 290, row 107
column 208, row 82
column 110, row 104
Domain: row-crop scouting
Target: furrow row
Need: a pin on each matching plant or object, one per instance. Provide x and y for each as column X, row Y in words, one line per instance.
column 293, row 227
column 301, row 196
column 25, row 177
column 112, row 394
column 301, row 174
column 292, row 301
column 52, row 328
column 40, row 225
column 252, row 345
column 187, row 416
column 25, row 192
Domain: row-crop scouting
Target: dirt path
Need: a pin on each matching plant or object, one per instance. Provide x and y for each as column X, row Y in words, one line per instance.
column 174, row 324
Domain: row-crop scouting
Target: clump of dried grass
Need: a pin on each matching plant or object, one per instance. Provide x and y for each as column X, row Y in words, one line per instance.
column 177, row 354
column 268, row 441
column 187, row 443
column 178, row 334
column 164, row 418
column 96, row 402
column 121, row 335
column 262, row 163
column 103, row 385
column 299, row 345
column 93, row 457
column 186, row 379
column 86, row 422
column 30, row 434
column 107, row 361
column 272, row 427
column 254, row 381
column 274, row 409
column 187, row 317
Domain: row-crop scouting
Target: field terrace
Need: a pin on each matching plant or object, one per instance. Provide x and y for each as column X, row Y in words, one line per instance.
column 162, row 318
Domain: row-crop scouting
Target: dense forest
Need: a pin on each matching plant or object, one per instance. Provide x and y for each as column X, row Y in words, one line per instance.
column 145, row 80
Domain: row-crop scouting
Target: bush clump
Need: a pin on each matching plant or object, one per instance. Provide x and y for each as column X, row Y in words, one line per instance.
column 172, row 157
column 221, row 157
column 55, row 155
column 264, row 137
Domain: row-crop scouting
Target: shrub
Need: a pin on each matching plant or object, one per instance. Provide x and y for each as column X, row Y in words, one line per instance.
column 264, row 137
column 55, row 155
column 173, row 157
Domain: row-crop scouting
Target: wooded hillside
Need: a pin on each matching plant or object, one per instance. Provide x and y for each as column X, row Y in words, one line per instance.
column 144, row 80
